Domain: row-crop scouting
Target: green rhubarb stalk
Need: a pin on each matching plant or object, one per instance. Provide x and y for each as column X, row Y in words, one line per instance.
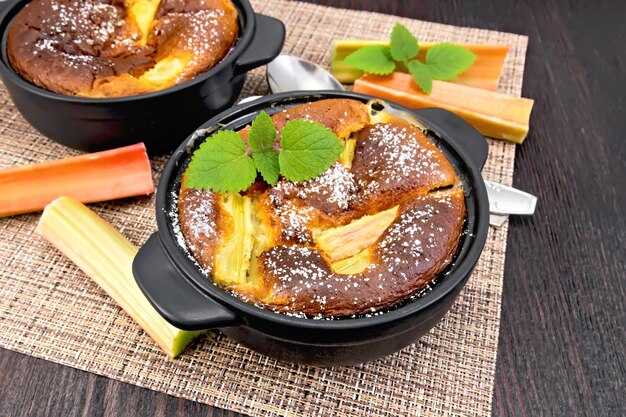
column 107, row 257
column 232, row 260
column 484, row 73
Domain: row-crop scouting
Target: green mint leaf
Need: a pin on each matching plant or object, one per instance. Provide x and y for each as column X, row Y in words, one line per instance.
column 261, row 140
column 221, row 163
column 447, row 61
column 403, row 45
column 375, row 59
column 421, row 74
column 308, row 149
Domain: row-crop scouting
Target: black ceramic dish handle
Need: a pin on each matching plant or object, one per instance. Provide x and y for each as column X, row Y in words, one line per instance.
column 178, row 301
column 457, row 131
column 269, row 36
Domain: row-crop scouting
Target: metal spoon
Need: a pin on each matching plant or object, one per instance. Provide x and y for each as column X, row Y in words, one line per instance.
column 291, row 73
column 505, row 201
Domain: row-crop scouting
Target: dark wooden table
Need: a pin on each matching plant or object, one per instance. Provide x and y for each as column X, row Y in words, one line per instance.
column 562, row 348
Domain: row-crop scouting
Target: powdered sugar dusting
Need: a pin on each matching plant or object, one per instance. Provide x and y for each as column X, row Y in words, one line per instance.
column 294, row 221
column 200, row 227
column 99, row 41
column 200, row 220
column 201, row 36
column 89, row 25
column 337, row 185
column 293, row 202
column 396, row 155
column 178, row 233
column 412, row 246
column 412, row 251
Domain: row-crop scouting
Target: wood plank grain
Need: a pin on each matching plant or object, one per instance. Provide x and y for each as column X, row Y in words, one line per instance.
column 562, row 342
column 563, row 327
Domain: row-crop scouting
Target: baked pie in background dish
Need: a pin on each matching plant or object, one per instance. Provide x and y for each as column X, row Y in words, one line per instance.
column 116, row 48
column 373, row 230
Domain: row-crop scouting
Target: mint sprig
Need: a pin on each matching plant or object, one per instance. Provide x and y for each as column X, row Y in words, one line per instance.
column 308, row 149
column 421, row 74
column 403, row 45
column 261, row 139
column 221, row 163
column 375, row 59
column 444, row 61
column 225, row 163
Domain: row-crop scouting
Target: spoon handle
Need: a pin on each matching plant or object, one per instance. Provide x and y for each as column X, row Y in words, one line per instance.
column 505, row 200
column 246, row 99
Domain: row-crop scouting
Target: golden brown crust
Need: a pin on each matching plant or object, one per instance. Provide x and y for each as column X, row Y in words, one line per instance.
column 295, row 275
column 342, row 116
column 395, row 159
column 414, row 250
column 94, row 48
column 202, row 223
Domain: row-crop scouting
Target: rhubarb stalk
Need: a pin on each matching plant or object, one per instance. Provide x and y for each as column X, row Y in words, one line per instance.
column 107, row 257
column 484, row 73
column 495, row 115
column 100, row 176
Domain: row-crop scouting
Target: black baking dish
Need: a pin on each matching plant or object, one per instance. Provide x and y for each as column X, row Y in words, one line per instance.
column 159, row 119
column 188, row 299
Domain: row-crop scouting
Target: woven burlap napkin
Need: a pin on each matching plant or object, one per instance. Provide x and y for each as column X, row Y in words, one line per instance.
column 51, row 310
